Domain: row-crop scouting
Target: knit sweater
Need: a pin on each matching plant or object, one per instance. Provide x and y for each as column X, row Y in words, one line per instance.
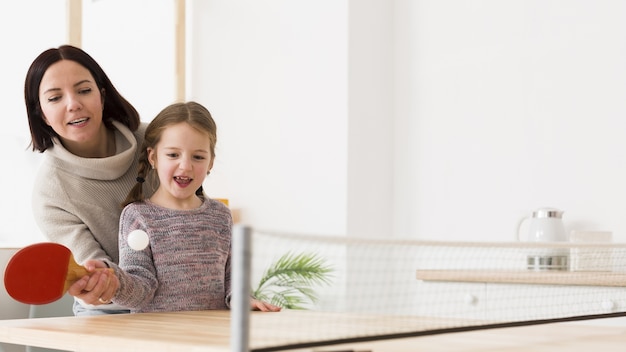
column 186, row 265
column 77, row 201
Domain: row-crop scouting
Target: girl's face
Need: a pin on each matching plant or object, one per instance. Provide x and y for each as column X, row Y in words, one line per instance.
column 72, row 105
column 182, row 159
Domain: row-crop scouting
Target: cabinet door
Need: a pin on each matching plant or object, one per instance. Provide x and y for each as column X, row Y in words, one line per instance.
column 10, row 309
column 450, row 300
column 512, row 302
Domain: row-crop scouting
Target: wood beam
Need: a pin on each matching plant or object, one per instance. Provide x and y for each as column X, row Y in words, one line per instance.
column 180, row 50
column 75, row 22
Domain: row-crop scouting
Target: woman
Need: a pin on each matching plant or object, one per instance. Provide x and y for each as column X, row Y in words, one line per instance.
column 90, row 136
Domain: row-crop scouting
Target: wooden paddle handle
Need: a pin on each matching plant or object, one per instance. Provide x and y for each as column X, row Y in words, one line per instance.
column 75, row 271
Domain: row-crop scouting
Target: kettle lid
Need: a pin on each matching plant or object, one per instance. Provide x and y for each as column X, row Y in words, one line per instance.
column 548, row 213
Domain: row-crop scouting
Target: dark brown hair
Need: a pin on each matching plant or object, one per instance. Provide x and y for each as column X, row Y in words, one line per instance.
column 192, row 113
column 115, row 106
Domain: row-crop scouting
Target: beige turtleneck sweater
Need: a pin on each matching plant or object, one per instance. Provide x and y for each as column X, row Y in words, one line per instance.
column 77, row 201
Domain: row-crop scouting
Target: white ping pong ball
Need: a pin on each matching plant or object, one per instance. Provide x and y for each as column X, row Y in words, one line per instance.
column 138, row 239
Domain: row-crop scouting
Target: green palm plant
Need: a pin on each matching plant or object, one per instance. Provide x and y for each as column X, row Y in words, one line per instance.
column 289, row 281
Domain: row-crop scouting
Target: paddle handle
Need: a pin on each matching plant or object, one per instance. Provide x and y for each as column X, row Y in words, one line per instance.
column 75, row 271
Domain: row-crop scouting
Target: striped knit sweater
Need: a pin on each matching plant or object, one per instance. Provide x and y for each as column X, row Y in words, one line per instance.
column 186, row 265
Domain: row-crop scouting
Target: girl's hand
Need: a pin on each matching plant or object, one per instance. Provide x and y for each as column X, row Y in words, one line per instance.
column 255, row 304
column 98, row 287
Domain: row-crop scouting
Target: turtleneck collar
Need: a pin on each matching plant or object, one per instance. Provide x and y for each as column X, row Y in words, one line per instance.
column 108, row 168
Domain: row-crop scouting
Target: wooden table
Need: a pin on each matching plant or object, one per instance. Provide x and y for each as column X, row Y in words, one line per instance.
column 210, row 331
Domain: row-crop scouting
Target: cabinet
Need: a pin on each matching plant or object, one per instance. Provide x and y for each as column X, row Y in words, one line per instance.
column 519, row 295
column 459, row 300
column 10, row 308
column 512, row 302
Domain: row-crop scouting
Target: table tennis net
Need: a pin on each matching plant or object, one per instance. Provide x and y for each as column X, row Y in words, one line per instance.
column 389, row 288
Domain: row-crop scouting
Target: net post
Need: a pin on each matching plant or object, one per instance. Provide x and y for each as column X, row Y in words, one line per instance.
column 240, row 288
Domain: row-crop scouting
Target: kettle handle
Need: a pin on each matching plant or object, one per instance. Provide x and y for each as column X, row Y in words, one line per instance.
column 519, row 227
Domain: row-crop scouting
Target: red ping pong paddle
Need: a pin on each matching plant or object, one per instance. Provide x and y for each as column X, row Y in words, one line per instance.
column 41, row 273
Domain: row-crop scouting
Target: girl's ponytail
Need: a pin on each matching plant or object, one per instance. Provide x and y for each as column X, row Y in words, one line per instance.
column 136, row 193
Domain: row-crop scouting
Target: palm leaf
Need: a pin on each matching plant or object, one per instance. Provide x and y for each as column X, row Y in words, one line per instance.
column 289, row 282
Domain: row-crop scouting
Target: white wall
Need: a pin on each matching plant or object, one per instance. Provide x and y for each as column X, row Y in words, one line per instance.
column 24, row 33
column 513, row 105
column 132, row 41
column 441, row 119
column 477, row 111
column 370, row 118
column 274, row 75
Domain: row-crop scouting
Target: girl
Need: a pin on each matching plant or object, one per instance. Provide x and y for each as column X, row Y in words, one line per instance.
column 186, row 265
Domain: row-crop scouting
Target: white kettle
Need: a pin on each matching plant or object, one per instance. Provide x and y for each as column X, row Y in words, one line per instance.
column 545, row 225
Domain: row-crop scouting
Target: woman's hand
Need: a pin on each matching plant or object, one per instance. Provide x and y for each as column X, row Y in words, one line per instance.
column 255, row 304
column 98, row 287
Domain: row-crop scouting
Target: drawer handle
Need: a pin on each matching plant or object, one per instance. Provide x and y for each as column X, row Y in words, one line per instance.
column 608, row 305
column 470, row 299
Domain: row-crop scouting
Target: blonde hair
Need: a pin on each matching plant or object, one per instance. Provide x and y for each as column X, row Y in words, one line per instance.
column 192, row 113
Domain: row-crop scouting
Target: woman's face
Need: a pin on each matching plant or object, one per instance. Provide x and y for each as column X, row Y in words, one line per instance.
column 72, row 105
